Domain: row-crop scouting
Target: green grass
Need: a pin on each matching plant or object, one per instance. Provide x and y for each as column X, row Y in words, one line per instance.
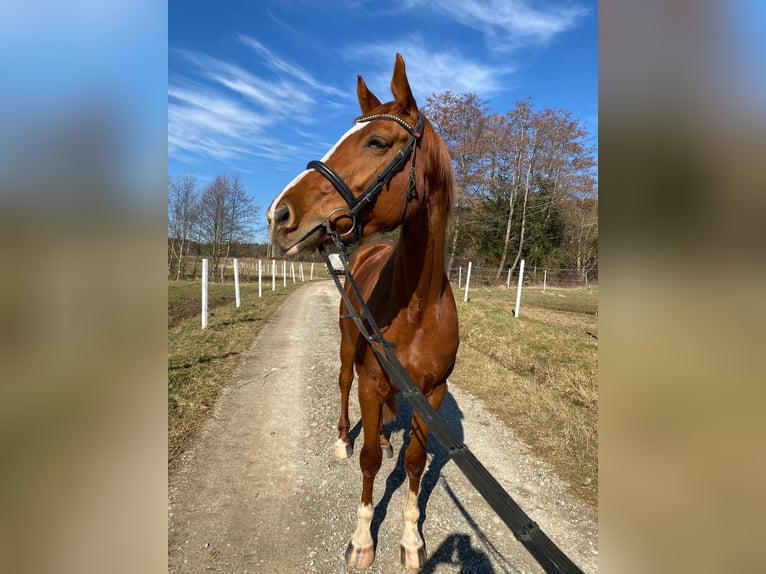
column 201, row 360
column 538, row 373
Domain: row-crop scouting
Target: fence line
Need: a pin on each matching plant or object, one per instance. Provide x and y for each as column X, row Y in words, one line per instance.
column 542, row 276
column 207, row 276
column 248, row 271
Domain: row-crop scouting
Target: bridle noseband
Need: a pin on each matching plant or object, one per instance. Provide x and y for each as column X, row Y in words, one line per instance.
column 357, row 203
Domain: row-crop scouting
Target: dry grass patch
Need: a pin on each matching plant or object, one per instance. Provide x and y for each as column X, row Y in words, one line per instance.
column 538, row 374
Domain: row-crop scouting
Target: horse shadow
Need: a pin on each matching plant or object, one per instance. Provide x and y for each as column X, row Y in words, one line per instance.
column 457, row 549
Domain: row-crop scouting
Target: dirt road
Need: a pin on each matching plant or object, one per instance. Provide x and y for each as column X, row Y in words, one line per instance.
column 261, row 490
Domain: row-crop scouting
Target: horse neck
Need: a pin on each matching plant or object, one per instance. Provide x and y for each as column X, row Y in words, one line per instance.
column 420, row 254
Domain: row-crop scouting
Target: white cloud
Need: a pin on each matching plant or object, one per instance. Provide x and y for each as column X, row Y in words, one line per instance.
column 228, row 111
column 430, row 71
column 294, row 71
column 508, row 24
column 279, row 96
column 205, row 123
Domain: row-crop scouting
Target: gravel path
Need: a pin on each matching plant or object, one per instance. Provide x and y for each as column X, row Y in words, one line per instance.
column 261, row 491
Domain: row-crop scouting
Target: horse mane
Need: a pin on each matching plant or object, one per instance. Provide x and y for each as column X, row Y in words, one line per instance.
column 438, row 155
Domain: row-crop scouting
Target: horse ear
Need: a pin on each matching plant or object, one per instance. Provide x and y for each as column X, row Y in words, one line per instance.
column 367, row 100
column 400, row 86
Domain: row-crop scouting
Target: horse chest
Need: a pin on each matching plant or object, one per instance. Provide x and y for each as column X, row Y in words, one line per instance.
column 422, row 346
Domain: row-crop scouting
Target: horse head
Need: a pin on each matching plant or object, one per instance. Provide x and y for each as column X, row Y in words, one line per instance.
column 363, row 184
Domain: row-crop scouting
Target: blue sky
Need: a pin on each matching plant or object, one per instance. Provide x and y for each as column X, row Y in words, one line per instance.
column 261, row 88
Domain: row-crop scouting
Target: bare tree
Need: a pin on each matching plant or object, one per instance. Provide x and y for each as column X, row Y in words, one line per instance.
column 212, row 219
column 580, row 244
column 550, row 157
column 520, row 154
column 241, row 215
column 183, row 214
column 227, row 216
column 567, row 168
column 460, row 121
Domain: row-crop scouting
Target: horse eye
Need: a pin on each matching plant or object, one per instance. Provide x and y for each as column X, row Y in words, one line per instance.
column 377, row 143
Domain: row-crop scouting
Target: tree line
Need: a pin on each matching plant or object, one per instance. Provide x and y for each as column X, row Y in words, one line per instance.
column 526, row 189
column 526, row 185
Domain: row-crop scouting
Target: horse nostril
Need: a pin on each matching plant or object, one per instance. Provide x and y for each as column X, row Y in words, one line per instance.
column 281, row 215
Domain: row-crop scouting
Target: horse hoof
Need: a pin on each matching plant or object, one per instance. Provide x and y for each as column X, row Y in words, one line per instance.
column 361, row 558
column 343, row 449
column 412, row 557
column 388, row 451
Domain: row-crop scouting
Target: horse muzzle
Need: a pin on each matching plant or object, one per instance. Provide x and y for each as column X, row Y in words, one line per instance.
column 291, row 237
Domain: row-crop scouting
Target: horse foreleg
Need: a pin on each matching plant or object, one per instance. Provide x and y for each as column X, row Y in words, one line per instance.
column 412, row 550
column 360, row 552
column 343, row 447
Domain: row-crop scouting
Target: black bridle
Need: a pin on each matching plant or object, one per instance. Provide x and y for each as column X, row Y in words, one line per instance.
column 357, row 203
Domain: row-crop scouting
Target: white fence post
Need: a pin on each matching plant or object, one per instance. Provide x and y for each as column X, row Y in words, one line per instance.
column 545, row 278
column 518, row 288
column 292, row 270
column 260, row 279
column 508, row 283
column 284, row 273
column 312, row 272
column 236, row 281
column 301, row 268
column 204, row 293
column 467, row 281
column 273, row 274
column 459, row 277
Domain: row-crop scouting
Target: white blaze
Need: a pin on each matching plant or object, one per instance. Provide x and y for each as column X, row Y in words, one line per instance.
column 301, row 175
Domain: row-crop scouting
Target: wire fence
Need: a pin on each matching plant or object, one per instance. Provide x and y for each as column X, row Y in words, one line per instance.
column 538, row 276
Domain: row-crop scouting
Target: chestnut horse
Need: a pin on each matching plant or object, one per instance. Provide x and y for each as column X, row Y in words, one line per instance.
column 403, row 282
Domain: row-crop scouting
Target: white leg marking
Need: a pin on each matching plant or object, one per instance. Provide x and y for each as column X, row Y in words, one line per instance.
column 343, row 449
column 362, row 536
column 411, row 539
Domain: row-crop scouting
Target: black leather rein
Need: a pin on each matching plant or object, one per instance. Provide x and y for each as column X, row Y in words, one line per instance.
column 357, row 203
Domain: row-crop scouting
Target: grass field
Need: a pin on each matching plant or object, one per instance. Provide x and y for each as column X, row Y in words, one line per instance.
column 200, row 361
column 538, row 373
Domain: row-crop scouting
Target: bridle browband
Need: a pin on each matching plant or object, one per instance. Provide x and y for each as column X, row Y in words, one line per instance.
column 357, row 203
